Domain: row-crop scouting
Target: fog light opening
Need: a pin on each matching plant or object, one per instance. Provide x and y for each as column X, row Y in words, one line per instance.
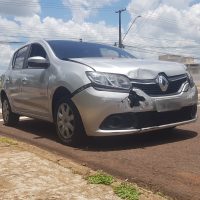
column 120, row 122
column 115, row 122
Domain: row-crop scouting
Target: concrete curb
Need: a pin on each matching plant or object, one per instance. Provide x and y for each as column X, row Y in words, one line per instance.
column 67, row 163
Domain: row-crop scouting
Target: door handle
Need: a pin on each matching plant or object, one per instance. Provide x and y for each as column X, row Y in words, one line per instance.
column 24, row 81
column 7, row 80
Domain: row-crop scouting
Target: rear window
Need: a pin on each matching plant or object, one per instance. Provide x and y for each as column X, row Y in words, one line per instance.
column 70, row 49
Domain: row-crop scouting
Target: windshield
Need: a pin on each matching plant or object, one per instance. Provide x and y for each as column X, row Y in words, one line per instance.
column 71, row 49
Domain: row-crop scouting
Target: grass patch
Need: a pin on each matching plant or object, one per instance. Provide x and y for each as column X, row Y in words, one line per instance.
column 100, row 178
column 127, row 191
column 7, row 141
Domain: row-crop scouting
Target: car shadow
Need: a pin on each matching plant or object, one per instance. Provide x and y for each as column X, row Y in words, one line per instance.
column 47, row 130
column 40, row 129
column 139, row 141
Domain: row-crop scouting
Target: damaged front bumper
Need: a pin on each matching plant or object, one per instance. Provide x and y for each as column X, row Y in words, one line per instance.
column 149, row 113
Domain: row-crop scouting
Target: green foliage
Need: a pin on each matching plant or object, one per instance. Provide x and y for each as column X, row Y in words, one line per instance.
column 100, row 178
column 126, row 191
column 7, row 141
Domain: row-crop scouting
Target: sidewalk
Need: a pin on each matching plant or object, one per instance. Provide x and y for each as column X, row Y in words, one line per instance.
column 27, row 172
column 24, row 175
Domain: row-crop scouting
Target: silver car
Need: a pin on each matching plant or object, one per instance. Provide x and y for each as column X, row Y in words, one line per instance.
column 95, row 90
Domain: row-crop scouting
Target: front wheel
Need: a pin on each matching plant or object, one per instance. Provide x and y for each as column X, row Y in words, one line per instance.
column 68, row 122
column 9, row 118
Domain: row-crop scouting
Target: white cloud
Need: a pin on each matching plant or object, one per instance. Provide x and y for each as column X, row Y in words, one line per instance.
column 49, row 27
column 5, row 55
column 164, row 24
column 179, row 4
column 20, row 7
column 146, row 5
column 82, row 9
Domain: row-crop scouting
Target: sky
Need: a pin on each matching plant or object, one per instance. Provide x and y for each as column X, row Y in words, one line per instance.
column 165, row 26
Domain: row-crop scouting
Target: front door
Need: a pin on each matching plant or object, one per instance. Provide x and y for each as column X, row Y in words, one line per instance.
column 35, row 85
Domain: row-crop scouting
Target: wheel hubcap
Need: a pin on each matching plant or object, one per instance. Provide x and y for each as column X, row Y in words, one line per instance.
column 5, row 110
column 65, row 121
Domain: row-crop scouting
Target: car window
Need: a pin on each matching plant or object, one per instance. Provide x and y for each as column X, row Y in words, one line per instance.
column 71, row 49
column 19, row 58
column 109, row 53
column 37, row 50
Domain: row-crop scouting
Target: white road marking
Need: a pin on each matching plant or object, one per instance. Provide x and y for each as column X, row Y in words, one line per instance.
column 21, row 118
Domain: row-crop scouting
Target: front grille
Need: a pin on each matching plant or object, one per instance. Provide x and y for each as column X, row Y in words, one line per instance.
column 152, row 88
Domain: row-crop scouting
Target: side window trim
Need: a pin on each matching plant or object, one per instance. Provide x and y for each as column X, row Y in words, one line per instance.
column 14, row 59
column 15, row 56
column 25, row 66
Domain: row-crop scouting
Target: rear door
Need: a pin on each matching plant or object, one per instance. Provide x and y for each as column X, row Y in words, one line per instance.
column 14, row 79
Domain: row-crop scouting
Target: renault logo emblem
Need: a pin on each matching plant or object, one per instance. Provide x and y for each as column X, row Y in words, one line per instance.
column 163, row 83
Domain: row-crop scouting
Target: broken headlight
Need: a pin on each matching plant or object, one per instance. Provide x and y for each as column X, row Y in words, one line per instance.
column 109, row 81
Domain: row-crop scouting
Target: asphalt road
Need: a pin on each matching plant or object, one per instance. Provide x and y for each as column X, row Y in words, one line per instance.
column 167, row 161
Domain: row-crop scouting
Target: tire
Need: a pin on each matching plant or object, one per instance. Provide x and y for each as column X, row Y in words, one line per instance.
column 68, row 123
column 9, row 118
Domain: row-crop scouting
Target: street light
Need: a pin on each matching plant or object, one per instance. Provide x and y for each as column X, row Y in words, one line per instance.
column 131, row 26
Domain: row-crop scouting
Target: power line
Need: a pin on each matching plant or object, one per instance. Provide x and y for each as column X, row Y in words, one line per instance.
column 76, row 6
column 56, row 6
column 42, row 33
column 158, row 52
column 135, row 48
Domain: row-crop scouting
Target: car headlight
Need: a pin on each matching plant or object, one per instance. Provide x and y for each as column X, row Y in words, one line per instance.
column 190, row 79
column 109, row 81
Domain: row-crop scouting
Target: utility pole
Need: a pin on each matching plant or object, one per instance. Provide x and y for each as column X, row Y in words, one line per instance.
column 120, row 27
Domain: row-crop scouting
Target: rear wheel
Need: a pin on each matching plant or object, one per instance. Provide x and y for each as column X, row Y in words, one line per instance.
column 9, row 118
column 68, row 122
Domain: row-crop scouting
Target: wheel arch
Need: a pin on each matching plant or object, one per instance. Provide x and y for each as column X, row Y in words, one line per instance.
column 60, row 92
column 3, row 95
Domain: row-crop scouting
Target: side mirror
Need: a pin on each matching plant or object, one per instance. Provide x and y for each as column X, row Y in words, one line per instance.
column 38, row 62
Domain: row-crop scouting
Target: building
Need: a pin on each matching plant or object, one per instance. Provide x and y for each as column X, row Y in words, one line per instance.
column 178, row 58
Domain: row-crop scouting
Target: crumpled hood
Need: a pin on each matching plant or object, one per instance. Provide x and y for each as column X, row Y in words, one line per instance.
column 134, row 68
